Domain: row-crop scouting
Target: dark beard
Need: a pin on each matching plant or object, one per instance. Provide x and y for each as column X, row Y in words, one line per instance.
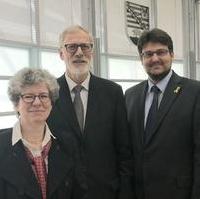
column 157, row 78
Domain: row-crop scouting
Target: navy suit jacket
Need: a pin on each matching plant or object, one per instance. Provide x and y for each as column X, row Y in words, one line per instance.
column 17, row 179
column 168, row 165
column 104, row 147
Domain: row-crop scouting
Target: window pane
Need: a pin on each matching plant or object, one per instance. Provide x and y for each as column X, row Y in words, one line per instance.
column 130, row 69
column 172, row 23
column 198, row 71
column 13, row 59
column 178, row 68
column 52, row 62
column 7, row 121
column 55, row 17
column 198, row 31
column 125, row 69
column 126, row 85
column 15, row 20
column 6, row 105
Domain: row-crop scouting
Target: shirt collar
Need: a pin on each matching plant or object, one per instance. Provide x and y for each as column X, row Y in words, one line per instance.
column 72, row 84
column 162, row 84
column 17, row 134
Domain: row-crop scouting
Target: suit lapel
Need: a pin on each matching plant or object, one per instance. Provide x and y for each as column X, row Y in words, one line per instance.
column 135, row 109
column 141, row 111
column 92, row 106
column 65, row 106
column 171, row 93
column 16, row 170
column 59, row 165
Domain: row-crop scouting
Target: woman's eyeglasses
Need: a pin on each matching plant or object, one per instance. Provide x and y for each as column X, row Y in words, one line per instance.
column 30, row 98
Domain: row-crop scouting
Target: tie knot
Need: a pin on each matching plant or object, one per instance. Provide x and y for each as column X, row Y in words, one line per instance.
column 77, row 88
column 155, row 89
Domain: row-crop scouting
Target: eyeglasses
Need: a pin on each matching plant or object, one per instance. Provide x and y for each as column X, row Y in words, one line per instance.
column 30, row 98
column 85, row 47
column 159, row 53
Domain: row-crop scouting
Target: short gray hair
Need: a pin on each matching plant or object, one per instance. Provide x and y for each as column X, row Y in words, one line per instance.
column 73, row 29
column 28, row 77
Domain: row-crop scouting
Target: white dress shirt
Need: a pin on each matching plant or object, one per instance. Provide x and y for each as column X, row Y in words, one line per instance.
column 84, row 91
column 17, row 135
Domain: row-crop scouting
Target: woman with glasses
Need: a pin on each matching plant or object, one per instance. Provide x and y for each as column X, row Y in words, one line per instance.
column 33, row 165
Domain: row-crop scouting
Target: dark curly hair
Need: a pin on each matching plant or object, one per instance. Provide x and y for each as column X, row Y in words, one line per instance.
column 155, row 36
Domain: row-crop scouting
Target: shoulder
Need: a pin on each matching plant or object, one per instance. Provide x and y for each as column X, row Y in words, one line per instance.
column 61, row 80
column 190, row 86
column 5, row 135
column 135, row 89
column 134, row 94
column 104, row 83
column 191, row 82
column 184, row 82
column 5, row 139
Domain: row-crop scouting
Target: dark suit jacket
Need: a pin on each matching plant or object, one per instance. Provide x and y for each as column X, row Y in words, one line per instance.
column 168, row 165
column 104, row 146
column 17, row 179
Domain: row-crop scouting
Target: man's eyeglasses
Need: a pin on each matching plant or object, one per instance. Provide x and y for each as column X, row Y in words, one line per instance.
column 30, row 98
column 85, row 47
column 159, row 53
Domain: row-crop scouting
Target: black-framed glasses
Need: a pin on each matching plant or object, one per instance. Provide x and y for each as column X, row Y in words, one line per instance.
column 85, row 47
column 30, row 98
column 159, row 53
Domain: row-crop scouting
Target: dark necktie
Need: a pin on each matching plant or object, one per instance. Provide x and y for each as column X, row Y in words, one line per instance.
column 78, row 106
column 151, row 118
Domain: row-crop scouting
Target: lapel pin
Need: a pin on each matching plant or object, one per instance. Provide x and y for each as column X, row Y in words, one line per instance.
column 177, row 90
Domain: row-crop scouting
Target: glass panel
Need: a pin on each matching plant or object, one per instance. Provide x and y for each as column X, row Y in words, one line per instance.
column 178, row 68
column 172, row 23
column 198, row 70
column 125, row 69
column 52, row 62
column 6, row 105
column 15, row 20
column 130, row 69
column 198, row 31
column 13, row 59
column 7, row 121
column 55, row 17
column 126, row 85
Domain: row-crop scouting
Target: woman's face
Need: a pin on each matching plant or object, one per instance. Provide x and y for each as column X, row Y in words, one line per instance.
column 34, row 104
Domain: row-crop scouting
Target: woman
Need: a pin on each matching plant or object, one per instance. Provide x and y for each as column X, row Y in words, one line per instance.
column 32, row 163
